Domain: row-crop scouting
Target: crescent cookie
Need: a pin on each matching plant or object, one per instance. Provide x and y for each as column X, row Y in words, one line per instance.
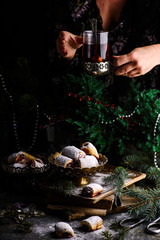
column 88, row 162
column 56, row 154
column 92, row 190
column 63, row 161
column 90, row 149
column 73, row 152
column 92, row 223
column 37, row 163
column 64, row 230
column 23, row 155
column 23, row 159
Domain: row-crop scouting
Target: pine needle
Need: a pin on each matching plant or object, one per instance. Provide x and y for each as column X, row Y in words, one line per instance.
column 148, row 205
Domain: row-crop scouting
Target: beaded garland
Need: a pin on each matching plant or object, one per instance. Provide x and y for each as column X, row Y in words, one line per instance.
column 123, row 116
column 37, row 121
column 97, row 101
column 15, row 121
column 35, row 131
column 154, row 134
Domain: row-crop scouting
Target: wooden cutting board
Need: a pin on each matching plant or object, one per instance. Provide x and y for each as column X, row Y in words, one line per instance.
column 102, row 208
column 108, row 189
column 77, row 206
column 60, row 199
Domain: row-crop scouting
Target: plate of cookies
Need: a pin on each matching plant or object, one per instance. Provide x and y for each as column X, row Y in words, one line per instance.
column 24, row 163
column 74, row 161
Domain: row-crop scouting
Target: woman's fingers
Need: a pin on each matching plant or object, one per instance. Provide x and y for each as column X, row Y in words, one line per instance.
column 63, row 35
column 138, row 62
column 137, row 72
column 61, row 47
column 67, row 44
column 75, row 41
column 125, row 69
column 123, row 59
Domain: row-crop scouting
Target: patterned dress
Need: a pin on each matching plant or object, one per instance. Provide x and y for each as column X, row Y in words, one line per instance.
column 138, row 25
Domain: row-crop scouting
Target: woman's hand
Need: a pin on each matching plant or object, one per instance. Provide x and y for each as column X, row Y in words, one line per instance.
column 138, row 62
column 67, row 44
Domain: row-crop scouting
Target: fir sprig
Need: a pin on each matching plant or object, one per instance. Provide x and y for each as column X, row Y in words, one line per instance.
column 106, row 235
column 117, row 179
column 141, row 161
column 121, row 230
column 153, row 174
column 24, row 227
column 63, row 186
column 138, row 160
column 94, row 119
column 148, row 205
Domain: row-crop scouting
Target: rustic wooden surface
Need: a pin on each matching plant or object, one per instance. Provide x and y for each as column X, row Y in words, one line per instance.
column 78, row 206
column 98, row 178
column 44, row 227
column 104, row 207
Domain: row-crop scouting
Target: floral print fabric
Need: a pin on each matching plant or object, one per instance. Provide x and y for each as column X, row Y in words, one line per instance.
column 138, row 25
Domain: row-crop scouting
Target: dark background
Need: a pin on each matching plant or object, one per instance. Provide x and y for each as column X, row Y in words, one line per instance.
column 27, row 34
column 27, row 27
column 23, row 27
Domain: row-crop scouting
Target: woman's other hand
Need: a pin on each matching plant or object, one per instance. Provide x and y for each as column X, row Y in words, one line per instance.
column 138, row 62
column 67, row 44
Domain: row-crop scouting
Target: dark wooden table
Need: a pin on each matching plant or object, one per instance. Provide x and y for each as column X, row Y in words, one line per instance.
column 43, row 227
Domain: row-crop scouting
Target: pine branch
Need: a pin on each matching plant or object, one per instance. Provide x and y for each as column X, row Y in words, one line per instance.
column 117, row 179
column 153, row 174
column 148, row 204
column 122, row 231
column 106, row 235
column 101, row 121
column 137, row 160
column 63, row 186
